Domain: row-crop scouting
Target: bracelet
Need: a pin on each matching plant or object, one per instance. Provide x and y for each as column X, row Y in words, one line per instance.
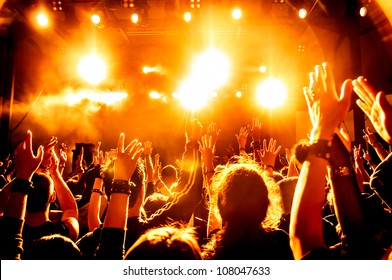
column 22, row 186
column 96, row 191
column 342, row 171
column 321, row 149
column 122, row 186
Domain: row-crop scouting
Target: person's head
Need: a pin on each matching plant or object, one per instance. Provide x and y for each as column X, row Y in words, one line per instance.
column 42, row 195
column 169, row 175
column 154, row 202
column 167, row 242
column 287, row 187
column 244, row 196
column 53, row 247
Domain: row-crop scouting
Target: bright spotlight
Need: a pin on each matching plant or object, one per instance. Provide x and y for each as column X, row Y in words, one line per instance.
column 271, row 93
column 92, row 69
column 238, row 94
column 211, row 68
column 192, row 95
column 42, row 19
column 302, row 13
column 154, row 94
column 236, row 13
column 135, row 18
column 262, row 69
column 363, row 11
column 187, row 17
column 95, row 18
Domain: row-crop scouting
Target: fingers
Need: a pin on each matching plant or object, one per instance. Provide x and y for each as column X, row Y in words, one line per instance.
column 345, row 93
column 120, row 143
column 40, row 154
column 28, row 142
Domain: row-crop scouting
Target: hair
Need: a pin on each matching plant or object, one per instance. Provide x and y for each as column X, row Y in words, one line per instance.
column 137, row 178
column 154, row 202
column 53, row 247
column 40, row 197
column 172, row 242
column 243, row 194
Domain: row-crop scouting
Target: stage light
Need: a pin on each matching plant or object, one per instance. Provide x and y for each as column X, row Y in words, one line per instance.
column 187, row 17
column 212, row 68
column 154, row 94
column 42, row 19
column 135, row 18
column 92, row 69
column 193, row 95
column 57, row 5
column 363, row 11
column 262, row 69
column 302, row 13
column 238, row 94
column 271, row 93
column 95, row 18
column 127, row 4
column 236, row 13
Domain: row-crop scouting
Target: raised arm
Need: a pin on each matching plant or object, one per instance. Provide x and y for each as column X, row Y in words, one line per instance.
column 114, row 226
column 371, row 138
column 327, row 110
column 11, row 223
column 65, row 198
column 94, row 206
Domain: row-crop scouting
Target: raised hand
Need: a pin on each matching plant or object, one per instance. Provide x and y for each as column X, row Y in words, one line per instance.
column 193, row 130
column 127, row 158
column 63, row 155
column 147, row 147
column 269, row 153
column 48, row 148
column 242, row 137
column 326, row 108
column 255, row 129
column 375, row 105
column 26, row 163
column 206, row 150
column 214, row 132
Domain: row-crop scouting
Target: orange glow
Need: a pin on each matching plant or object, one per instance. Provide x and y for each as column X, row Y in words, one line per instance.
column 363, row 11
column 107, row 98
column 271, row 93
column 92, row 69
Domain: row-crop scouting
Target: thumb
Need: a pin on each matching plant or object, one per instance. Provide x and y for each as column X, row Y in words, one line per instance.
column 40, row 153
column 384, row 104
column 346, row 92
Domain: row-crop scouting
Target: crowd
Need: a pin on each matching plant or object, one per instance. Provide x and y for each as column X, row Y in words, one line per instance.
column 331, row 200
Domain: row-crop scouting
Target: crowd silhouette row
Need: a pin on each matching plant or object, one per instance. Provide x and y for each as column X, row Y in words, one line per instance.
column 331, row 200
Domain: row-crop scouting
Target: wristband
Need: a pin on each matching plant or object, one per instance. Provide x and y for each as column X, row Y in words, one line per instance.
column 321, row 149
column 122, row 186
column 342, row 171
column 21, row 186
column 96, row 191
